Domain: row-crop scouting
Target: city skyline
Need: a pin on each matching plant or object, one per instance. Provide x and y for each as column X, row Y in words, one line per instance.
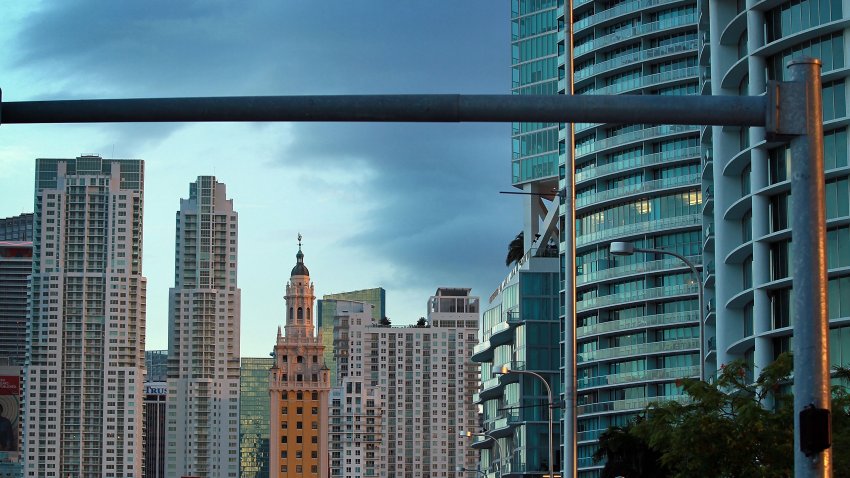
column 361, row 191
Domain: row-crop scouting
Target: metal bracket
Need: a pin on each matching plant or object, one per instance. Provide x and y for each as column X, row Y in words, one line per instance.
column 785, row 102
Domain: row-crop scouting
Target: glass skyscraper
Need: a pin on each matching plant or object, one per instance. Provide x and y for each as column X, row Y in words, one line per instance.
column 254, row 415
column 637, row 323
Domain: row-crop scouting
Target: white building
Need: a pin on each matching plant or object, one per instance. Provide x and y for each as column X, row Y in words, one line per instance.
column 203, row 337
column 407, row 391
column 84, row 368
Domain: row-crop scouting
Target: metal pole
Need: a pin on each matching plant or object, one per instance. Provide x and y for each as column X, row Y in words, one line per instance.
column 551, row 406
column 699, row 300
column 672, row 110
column 808, row 247
column 570, row 418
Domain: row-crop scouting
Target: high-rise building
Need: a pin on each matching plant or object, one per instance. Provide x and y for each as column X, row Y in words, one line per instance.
column 749, row 311
column 520, row 329
column 299, row 384
column 156, row 393
column 17, row 228
column 357, row 406
column 85, row 366
column 15, row 270
column 411, row 386
column 637, row 317
column 327, row 307
column 254, row 415
column 203, row 337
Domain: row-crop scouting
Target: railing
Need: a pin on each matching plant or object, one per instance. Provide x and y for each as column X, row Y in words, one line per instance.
column 648, row 80
column 638, row 56
column 637, row 322
column 638, row 228
column 617, row 11
column 641, row 376
column 640, row 161
column 630, row 33
column 638, row 349
column 630, row 404
column 647, row 186
column 633, row 136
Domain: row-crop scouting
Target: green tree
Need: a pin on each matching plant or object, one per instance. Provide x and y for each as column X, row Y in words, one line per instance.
column 515, row 249
column 730, row 428
column 628, row 455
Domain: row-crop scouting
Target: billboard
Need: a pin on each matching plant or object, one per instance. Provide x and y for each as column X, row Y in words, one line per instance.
column 10, row 418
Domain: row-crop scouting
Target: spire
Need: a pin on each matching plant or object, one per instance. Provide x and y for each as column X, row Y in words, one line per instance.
column 300, row 269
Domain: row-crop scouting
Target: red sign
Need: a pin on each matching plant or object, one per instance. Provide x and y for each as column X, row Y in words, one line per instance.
column 10, row 385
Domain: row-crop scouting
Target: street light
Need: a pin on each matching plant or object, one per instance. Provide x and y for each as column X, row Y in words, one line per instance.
column 506, row 369
column 468, row 434
column 627, row 249
column 461, row 469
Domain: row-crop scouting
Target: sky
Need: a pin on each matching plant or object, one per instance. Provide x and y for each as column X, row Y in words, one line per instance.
column 406, row 207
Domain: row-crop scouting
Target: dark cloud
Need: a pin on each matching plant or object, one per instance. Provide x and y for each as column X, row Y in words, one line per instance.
column 160, row 47
column 439, row 216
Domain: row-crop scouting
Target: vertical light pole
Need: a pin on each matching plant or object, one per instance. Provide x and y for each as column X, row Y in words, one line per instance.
column 812, row 452
column 628, row 249
column 506, row 369
column 486, row 435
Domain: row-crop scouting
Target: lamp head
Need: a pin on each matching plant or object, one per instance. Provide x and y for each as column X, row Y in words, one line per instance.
column 503, row 370
column 464, row 434
column 622, row 248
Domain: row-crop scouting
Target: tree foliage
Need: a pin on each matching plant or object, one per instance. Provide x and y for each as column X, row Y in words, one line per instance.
column 729, row 428
column 515, row 249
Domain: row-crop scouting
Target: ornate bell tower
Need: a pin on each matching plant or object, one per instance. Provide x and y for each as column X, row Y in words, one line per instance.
column 299, row 386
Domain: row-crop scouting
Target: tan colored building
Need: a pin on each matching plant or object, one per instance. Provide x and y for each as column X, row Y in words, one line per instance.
column 299, row 385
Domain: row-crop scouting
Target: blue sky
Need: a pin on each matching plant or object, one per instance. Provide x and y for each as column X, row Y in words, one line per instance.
column 407, row 207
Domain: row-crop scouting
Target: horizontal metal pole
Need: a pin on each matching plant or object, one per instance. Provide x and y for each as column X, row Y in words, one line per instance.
column 652, row 109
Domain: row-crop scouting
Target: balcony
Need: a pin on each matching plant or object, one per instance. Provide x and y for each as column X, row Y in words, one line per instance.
column 482, row 352
column 658, row 320
column 630, row 404
column 642, row 376
column 635, row 295
column 639, row 349
column 633, row 137
column 636, row 268
column 630, row 33
column 623, row 192
column 642, row 161
column 618, row 232
column 633, row 58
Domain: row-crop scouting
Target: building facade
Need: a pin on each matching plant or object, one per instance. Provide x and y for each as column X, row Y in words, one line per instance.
column 327, row 307
column 520, row 329
column 156, row 393
column 17, row 228
column 749, row 310
column 85, row 366
column 15, row 270
column 299, row 384
column 421, row 378
column 156, row 365
column 254, row 415
column 203, row 337
column 356, row 401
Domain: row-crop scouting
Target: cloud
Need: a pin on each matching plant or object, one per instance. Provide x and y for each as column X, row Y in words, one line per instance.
column 437, row 213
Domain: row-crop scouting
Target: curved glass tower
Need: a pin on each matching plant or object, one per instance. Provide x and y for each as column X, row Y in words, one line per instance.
column 750, row 43
column 637, row 316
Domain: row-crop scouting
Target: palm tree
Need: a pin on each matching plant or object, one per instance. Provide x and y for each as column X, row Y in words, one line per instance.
column 515, row 249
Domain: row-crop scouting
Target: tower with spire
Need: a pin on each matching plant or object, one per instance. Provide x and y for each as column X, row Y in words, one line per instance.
column 299, row 385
